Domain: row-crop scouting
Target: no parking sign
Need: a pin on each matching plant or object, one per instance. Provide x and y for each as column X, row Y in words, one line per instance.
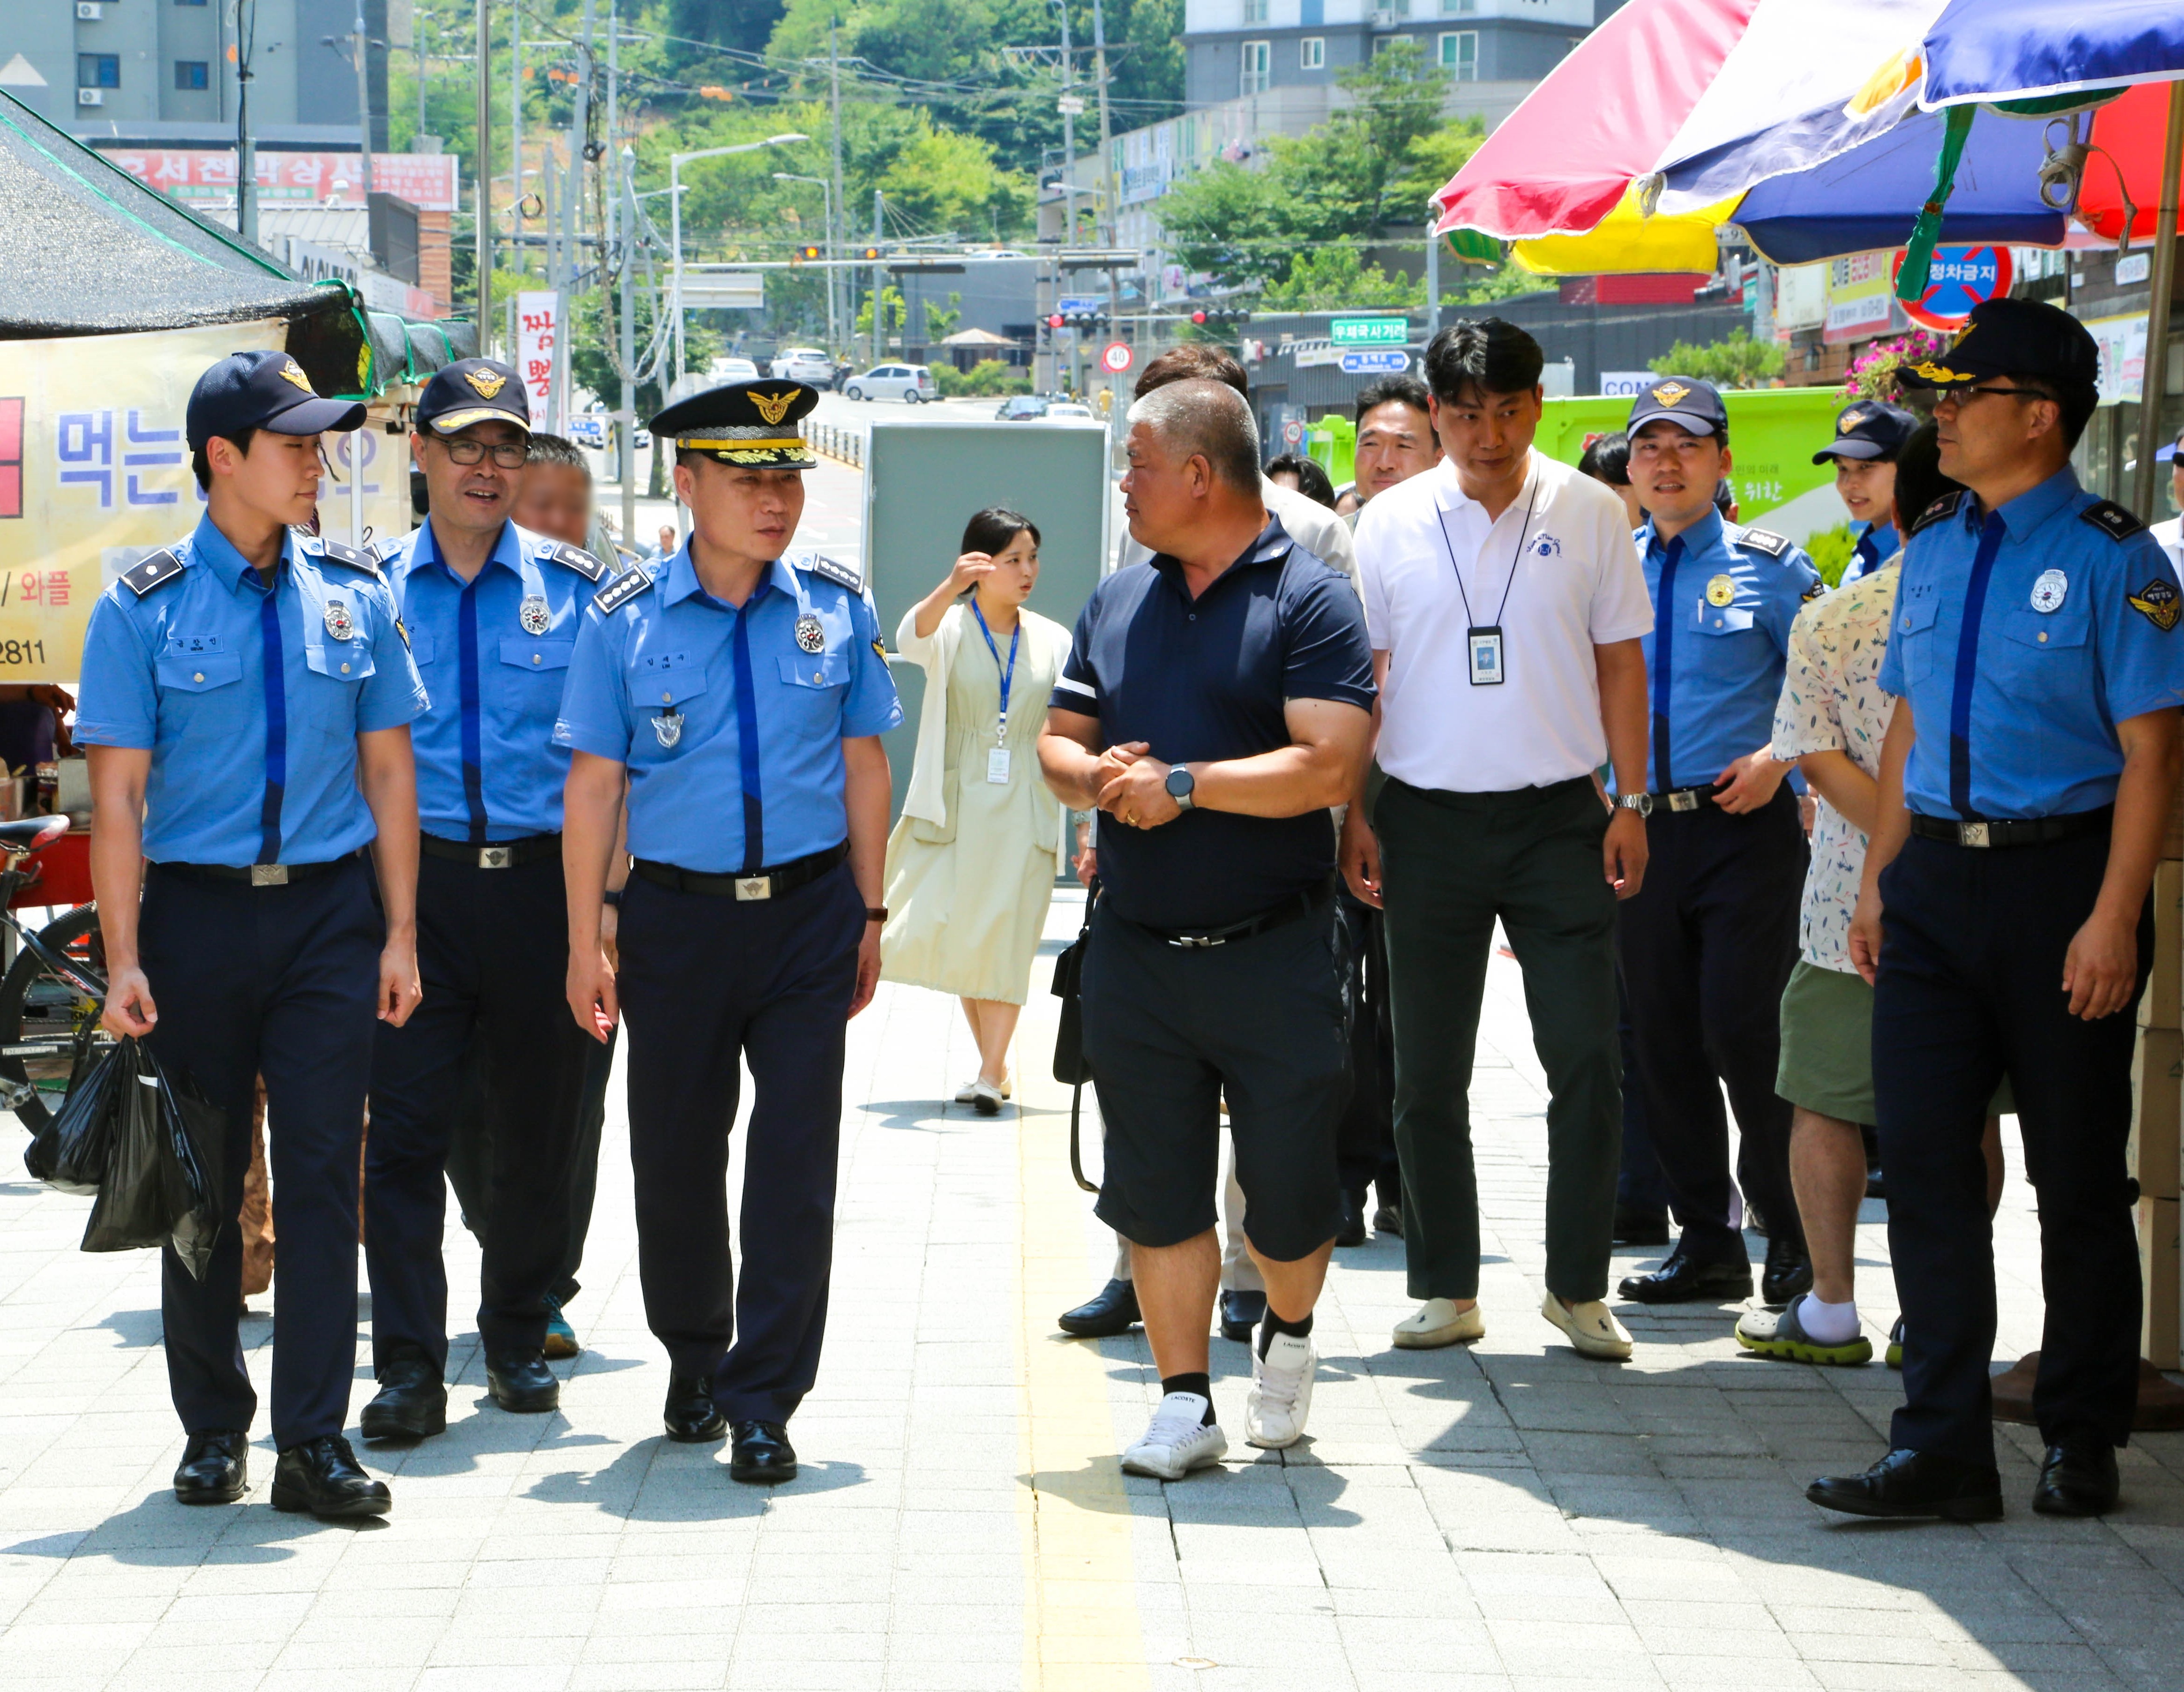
column 1960, row 278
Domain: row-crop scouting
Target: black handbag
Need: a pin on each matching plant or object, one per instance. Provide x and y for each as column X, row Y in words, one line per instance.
column 1069, row 1065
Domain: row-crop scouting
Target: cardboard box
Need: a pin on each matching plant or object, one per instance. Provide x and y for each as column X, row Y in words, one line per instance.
column 2162, row 1004
column 2157, row 1112
column 2159, row 1268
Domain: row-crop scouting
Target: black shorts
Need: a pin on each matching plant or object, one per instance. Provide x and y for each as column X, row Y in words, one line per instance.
column 1169, row 1030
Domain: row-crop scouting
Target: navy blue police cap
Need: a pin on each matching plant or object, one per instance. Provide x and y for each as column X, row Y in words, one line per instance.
column 1694, row 405
column 262, row 390
column 2026, row 337
column 473, row 391
column 748, row 423
column 1869, row 430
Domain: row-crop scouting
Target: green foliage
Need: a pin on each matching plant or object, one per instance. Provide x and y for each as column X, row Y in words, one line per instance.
column 892, row 304
column 1335, row 277
column 1830, row 551
column 988, row 378
column 940, row 321
column 1738, row 361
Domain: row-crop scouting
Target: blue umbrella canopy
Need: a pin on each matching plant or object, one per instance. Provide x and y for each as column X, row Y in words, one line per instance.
column 1991, row 51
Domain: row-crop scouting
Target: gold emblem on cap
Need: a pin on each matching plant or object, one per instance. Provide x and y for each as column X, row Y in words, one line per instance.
column 1938, row 372
column 487, row 383
column 292, row 372
column 1670, row 392
column 1720, row 591
column 773, row 407
column 1849, row 421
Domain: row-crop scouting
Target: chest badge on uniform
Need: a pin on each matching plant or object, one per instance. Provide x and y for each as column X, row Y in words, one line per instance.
column 668, row 726
column 811, row 632
column 2049, row 591
column 1721, row 591
column 533, row 615
column 339, row 623
column 2158, row 604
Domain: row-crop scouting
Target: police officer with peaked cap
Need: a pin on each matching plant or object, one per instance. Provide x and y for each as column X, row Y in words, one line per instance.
column 2026, row 781
column 742, row 694
column 491, row 611
column 246, row 698
column 1707, row 943
column 1869, row 437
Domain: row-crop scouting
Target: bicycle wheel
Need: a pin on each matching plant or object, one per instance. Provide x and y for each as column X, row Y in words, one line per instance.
column 49, row 1031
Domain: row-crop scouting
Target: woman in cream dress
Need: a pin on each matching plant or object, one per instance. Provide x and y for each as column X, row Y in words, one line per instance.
column 971, row 865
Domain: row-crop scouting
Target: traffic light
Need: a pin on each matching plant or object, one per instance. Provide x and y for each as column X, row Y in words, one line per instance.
column 872, row 255
column 799, row 255
column 1219, row 316
column 1054, row 322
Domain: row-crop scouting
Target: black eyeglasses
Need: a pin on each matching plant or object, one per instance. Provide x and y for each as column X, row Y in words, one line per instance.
column 508, row 454
column 1961, row 394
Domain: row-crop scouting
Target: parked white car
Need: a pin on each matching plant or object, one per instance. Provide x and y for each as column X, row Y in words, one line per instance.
column 912, row 383
column 804, row 364
column 725, row 371
column 1068, row 408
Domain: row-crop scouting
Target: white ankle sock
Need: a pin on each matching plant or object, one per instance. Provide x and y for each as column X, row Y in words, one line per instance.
column 1829, row 1324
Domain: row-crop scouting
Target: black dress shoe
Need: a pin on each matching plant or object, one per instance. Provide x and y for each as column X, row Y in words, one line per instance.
column 1111, row 1311
column 1876, row 1183
column 1682, row 1281
column 1913, row 1486
column 2077, row 1478
column 323, row 1477
column 1240, row 1312
column 761, row 1456
column 521, row 1383
column 216, row 1467
column 411, row 1403
column 1637, row 1227
column 1351, row 1230
column 1389, row 1220
column 1788, row 1273
column 691, row 1415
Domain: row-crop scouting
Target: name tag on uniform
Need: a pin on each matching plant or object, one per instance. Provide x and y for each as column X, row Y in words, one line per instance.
column 997, row 765
column 1486, row 651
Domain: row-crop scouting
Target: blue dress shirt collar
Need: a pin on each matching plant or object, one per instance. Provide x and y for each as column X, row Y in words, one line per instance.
column 217, row 553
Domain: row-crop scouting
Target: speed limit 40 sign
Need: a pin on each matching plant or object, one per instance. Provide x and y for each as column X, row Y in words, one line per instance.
column 1114, row 357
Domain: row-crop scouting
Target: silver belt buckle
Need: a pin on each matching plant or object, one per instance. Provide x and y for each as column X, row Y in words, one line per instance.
column 495, row 858
column 1196, row 941
column 268, row 875
column 754, row 886
column 1972, row 834
column 1683, row 799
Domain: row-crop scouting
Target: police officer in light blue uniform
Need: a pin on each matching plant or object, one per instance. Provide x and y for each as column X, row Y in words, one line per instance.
column 246, row 699
column 1708, row 945
column 742, row 694
column 1868, row 438
column 2026, row 782
column 491, row 611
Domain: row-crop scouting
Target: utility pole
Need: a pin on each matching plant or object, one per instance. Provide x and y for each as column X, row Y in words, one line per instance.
column 363, row 44
column 516, row 136
column 572, row 224
column 417, row 48
column 833, row 249
column 1068, row 135
column 484, row 176
column 246, row 143
column 1107, row 171
column 627, row 421
column 879, row 286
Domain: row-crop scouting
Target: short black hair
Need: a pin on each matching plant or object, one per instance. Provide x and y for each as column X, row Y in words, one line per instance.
column 1393, row 390
column 1192, row 361
column 1723, row 496
column 2076, row 403
column 993, row 529
column 1487, row 355
column 1607, row 459
column 201, row 466
column 547, row 449
column 1312, row 481
column 1919, row 479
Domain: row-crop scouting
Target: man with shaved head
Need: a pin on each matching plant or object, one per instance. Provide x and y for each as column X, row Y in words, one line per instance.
column 1216, row 703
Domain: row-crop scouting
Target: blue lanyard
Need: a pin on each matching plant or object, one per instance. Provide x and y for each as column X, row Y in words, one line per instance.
column 1008, row 670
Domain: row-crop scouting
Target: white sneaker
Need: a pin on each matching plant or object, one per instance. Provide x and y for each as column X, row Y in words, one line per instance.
column 1438, row 1322
column 1178, row 1440
column 1281, row 1392
column 1592, row 1327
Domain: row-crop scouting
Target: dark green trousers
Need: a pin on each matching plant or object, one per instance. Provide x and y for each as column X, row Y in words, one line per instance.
column 1452, row 863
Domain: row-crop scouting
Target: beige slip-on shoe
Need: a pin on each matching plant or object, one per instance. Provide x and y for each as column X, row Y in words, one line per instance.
column 1592, row 1327
column 1438, row 1322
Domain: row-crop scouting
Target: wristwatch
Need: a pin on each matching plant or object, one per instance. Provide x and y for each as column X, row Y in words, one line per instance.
column 611, row 896
column 1181, row 785
column 1642, row 803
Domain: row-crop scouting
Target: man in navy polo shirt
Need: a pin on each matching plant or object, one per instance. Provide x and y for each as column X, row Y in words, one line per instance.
column 1216, row 701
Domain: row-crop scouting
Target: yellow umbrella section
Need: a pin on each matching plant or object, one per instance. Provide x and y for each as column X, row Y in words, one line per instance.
column 1628, row 242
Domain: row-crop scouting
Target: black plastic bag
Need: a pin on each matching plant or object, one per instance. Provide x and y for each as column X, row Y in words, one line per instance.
column 1070, row 1067
column 71, row 1152
column 161, row 1183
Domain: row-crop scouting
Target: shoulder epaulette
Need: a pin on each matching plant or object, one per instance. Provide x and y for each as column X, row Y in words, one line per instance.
column 1767, row 541
column 623, row 588
column 155, row 572
column 1946, row 506
column 340, row 552
column 590, row 568
column 842, row 575
column 2111, row 520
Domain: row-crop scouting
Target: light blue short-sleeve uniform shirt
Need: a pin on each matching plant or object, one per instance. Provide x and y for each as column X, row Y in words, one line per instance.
column 249, row 698
column 1876, row 543
column 2022, row 636
column 1723, row 598
column 493, row 652
column 730, row 722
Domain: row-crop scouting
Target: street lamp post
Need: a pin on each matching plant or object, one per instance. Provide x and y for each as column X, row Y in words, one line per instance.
column 675, row 164
column 827, row 191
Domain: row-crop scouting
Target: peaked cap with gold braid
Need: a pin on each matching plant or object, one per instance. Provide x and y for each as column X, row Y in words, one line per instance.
column 748, row 423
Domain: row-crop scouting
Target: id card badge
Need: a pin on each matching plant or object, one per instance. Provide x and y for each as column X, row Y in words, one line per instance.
column 1486, row 651
column 997, row 765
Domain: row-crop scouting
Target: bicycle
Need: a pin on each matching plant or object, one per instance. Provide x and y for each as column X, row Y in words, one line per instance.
column 53, row 994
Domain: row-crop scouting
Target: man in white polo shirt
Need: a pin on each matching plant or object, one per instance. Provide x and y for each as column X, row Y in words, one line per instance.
column 1506, row 605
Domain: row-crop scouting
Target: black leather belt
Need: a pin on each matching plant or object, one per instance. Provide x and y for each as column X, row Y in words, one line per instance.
column 492, row 854
column 256, row 874
column 1288, row 911
column 1685, row 799
column 2013, row 831
column 761, row 884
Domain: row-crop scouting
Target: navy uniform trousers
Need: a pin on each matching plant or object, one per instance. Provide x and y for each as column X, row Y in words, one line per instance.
column 709, row 984
column 493, row 954
column 281, row 981
column 1707, row 948
column 1971, row 960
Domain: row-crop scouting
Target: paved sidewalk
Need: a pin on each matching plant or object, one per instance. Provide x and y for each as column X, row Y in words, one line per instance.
column 1488, row 1518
